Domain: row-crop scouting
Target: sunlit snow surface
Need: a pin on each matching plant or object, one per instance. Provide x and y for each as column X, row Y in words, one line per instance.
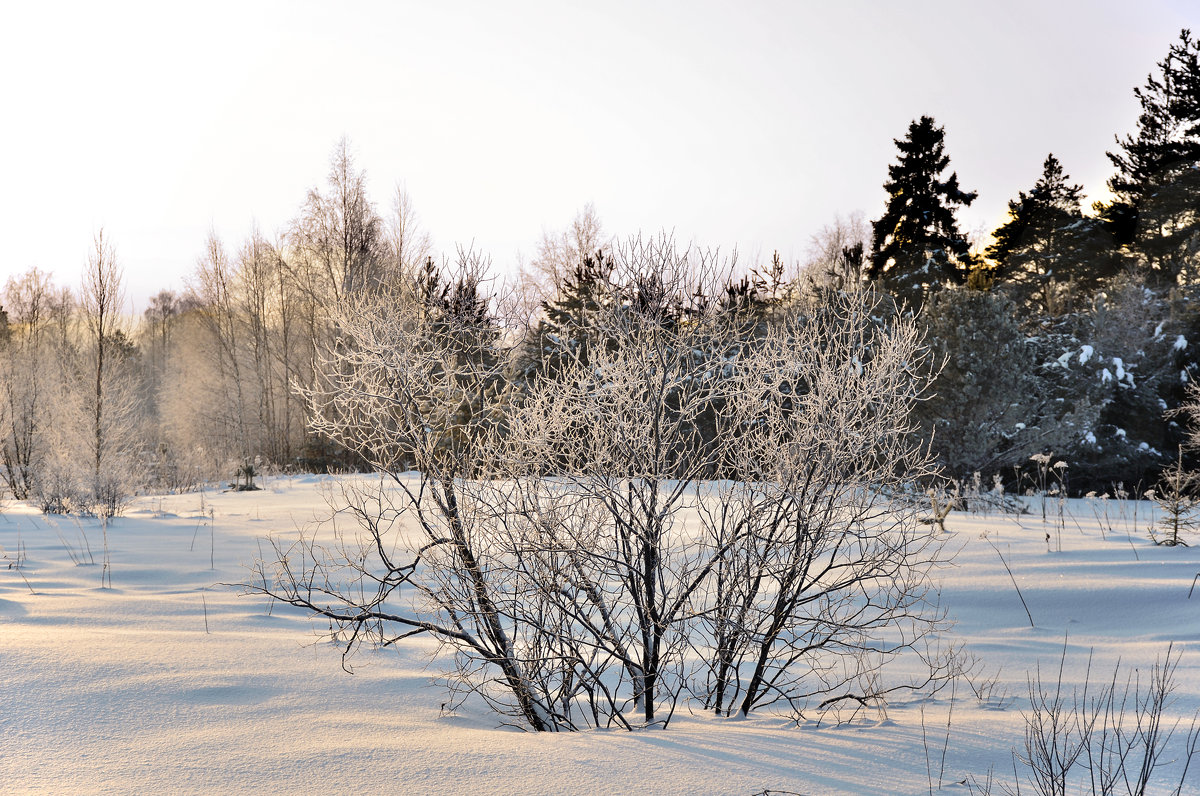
column 123, row 689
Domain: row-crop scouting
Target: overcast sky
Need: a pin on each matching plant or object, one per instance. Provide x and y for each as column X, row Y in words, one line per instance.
column 733, row 124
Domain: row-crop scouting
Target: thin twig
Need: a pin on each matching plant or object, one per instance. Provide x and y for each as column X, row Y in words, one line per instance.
column 1014, row 583
column 925, row 744
column 946, row 742
column 17, row 566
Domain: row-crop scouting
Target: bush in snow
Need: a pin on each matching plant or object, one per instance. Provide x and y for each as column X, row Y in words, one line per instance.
column 548, row 548
column 1104, row 738
column 991, row 406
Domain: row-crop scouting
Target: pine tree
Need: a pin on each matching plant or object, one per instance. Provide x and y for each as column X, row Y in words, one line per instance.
column 991, row 406
column 565, row 330
column 1051, row 204
column 916, row 245
column 466, row 382
column 1128, row 355
column 1168, row 135
column 1048, row 251
column 1157, row 184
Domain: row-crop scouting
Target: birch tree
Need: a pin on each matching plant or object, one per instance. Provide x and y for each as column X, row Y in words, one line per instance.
column 113, row 403
column 25, row 381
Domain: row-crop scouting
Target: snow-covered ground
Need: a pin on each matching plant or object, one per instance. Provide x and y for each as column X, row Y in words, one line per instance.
column 169, row 681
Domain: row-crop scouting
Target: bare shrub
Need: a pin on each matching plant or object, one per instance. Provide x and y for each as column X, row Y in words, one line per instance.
column 585, row 552
column 827, row 578
column 1108, row 740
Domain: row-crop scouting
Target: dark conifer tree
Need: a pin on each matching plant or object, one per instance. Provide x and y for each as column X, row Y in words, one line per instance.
column 1048, row 253
column 991, row 406
column 1168, row 134
column 1051, row 204
column 851, row 262
column 1156, row 185
column 464, row 331
column 566, row 328
column 916, row 245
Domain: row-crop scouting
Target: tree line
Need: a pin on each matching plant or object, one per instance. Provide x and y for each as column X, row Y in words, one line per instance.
column 1071, row 332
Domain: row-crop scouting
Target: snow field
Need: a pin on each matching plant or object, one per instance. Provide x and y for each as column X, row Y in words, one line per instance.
column 171, row 682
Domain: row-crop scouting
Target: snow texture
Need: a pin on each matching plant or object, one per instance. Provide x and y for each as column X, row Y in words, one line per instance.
column 169, row 681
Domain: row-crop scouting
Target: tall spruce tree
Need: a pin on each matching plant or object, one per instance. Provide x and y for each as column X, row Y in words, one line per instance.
column 916, row 245
column 1157, row 184
column 1048, row 253
column 1051, row 204
column 1168, row 134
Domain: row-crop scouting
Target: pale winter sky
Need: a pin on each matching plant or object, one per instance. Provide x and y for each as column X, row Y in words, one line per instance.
column 733, row 124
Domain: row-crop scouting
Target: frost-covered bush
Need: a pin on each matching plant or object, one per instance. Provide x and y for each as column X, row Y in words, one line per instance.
column 548, row 538
column 57, row 490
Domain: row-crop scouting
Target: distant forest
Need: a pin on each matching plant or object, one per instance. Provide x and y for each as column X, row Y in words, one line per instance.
column 1070, row 336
